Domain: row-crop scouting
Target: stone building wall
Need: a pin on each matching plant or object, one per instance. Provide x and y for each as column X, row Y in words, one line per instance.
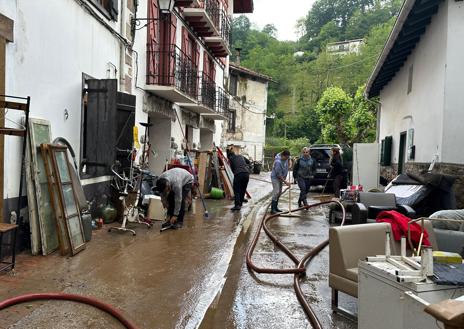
column 452, row 169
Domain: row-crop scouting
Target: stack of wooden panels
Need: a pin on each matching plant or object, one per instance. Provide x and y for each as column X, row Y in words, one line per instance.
column 52, row 186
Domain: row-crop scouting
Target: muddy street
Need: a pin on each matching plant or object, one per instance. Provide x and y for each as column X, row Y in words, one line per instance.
column 251, row 300
column 193, row 277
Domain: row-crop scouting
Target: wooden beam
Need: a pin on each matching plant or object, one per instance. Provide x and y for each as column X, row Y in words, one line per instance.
column 6, row 28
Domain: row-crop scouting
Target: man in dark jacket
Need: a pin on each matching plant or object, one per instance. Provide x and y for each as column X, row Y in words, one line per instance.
column 336, row 171
column 303, row 173
column 239, row 165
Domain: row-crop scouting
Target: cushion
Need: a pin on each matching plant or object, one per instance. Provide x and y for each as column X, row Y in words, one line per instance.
column 352, row 274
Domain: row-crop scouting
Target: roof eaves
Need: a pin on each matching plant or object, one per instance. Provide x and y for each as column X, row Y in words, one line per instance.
column 401, row 19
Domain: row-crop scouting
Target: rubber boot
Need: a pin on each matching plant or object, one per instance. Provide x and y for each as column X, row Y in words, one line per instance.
column 300, row 203
column 274, row 207
column 305, row 202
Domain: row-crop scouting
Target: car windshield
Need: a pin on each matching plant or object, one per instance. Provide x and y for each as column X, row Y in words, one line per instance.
column 323, row 155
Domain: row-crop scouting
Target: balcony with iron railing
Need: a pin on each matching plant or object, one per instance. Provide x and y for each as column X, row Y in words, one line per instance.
column 221, row 108
column 206, row 97
column 205, row 18
column 219, row 44
column 171, row 74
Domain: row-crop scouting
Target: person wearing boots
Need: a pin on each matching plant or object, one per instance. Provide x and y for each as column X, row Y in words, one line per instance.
column 239, row 165
column 278, row 178
column 303, row 173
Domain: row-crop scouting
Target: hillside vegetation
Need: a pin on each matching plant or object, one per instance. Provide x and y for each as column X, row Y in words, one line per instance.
column 318, row 97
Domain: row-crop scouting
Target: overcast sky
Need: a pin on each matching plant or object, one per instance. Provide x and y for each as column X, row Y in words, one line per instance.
column 282, row 13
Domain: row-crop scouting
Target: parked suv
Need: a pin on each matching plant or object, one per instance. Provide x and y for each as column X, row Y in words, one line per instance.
column 321, row 153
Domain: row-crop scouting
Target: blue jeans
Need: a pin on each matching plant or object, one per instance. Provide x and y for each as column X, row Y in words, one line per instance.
column 276, row 189
column 305, row 185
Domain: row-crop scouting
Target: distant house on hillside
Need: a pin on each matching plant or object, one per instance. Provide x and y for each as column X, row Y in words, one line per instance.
column 345, row 47
column 247, row 121
column 419, row 79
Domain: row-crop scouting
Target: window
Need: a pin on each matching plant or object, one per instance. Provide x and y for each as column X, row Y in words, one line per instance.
column 233, row 84
column 231, row 121
column 109, row 8
column 411, row 71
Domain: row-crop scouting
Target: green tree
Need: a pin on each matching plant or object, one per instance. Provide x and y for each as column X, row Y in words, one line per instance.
column 334, row 109
column 270, row 29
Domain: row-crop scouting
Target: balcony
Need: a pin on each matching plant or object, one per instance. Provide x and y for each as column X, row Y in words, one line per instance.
column 171, row 74
column 185, row 3
column 219, row 44
column 221, row 109
column 206, row 103
column 205, row 18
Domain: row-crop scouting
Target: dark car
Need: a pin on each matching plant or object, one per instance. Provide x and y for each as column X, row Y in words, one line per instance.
column 321, row 153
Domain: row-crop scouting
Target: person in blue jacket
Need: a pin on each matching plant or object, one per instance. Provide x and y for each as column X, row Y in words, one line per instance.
column 303, row 173
column 278, row 178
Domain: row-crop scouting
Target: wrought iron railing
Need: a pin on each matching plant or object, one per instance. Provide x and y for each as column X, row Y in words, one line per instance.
column 222, row 104
column 208, row 91
column 225, row 28
column 212, row 10
column 170, row 66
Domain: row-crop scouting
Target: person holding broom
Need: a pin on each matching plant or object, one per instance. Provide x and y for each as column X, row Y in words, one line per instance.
column 278, row 178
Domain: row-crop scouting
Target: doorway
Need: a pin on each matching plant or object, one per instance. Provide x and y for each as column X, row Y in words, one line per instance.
column 401, row 156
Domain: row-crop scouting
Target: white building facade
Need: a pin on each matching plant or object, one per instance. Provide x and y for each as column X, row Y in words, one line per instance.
column 247, row 123
column 95, row 68
column 419, row 81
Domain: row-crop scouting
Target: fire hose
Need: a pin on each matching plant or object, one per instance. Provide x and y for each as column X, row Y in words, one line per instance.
column 111, row 310
column 299, row 271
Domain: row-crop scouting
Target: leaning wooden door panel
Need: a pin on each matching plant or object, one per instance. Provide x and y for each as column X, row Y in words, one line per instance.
column 53, row 188
column 40, row 133
column 34, row 225
column 68, row 203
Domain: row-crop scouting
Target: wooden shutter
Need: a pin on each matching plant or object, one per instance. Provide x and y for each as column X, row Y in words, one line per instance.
column 125, row 121
column 205, row 63
column 100, row 132
column 153, row 62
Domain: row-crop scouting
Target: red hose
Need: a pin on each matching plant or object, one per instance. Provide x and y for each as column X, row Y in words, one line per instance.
column 300, row 265
column 111, row 310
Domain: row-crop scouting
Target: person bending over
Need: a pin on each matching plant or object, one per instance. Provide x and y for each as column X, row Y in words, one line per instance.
column 239, row 165
column 174, row 186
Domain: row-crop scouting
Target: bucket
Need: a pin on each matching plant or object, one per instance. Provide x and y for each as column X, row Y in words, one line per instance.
column 217, row 193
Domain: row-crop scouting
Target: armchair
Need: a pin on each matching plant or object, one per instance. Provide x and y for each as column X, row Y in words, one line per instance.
column 371, row 204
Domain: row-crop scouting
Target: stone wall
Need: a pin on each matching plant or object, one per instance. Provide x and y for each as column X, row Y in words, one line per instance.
column 452, row 169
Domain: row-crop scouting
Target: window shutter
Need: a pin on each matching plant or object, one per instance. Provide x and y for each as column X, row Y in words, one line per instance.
column 100, row 132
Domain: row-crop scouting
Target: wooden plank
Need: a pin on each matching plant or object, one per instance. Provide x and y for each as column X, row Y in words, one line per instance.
column 40, row 133
column 34, row 226
column 12, row 132
column 6, row 28
column 202, row 163
column 228, row 189
column 13, row 105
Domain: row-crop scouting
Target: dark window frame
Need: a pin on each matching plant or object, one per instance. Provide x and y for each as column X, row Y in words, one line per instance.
column 233, row 84
column 232, row 121
column 104, row 11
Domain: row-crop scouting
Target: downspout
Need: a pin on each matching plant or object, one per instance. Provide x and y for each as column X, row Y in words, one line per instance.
column 122, row 47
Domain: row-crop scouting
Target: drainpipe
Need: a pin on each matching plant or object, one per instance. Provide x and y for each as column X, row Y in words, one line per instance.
column 122, row 48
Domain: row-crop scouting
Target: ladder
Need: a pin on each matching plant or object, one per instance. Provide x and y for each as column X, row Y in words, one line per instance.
column 18, row 104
